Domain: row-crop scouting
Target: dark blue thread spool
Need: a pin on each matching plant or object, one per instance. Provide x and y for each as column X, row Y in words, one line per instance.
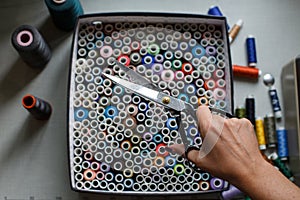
column 282, row 143
column 31, row 46
column 251, row 51
column 64, row 13
column 39, row 108
column 215, row 10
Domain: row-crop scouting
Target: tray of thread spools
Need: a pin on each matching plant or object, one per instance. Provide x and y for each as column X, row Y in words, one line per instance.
column 117, row 138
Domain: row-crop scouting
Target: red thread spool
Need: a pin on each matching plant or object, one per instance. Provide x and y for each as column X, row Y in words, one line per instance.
column 160, row 150
column 246, row 72
column 187, row 68
column 125, row 60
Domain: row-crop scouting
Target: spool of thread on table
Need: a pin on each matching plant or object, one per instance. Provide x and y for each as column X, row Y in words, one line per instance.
column 235, row 30
column 240, row 112
column 215, row 10
column 270, row 130
column 282, row 143
column 39, row 108
column 282, row 167
column 31, row 46
column 260, row 133
column 64, row 13
column 269, row 81
column 246, row 72
column 251, row 51
column 250, row 109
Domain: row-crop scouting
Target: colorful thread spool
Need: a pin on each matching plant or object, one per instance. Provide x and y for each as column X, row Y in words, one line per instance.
column 64, row 13
column 231, row 193
column 282, row 143
column 282, row 167
column 270, row 130
column 31, row 46
column 246, row 72
column 235, row 30
column 269, row 81
column 251, row 51
column 240, row 112
column 39, row 108
column 260, row 133
column 215, row 10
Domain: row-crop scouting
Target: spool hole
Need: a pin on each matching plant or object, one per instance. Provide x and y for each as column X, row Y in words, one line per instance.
column 29, row 101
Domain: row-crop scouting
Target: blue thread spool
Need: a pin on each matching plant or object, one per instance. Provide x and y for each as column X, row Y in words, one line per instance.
column 172, row 124
column 157, row 138
column 269, row 81
column 148, row 60
column 183, row 97
column 282, row 143
column 198, row 51
column 170, row 162
column 251, row 51
column 215, row 10
column 111, row 112
column 81, row 114
column 64, row 13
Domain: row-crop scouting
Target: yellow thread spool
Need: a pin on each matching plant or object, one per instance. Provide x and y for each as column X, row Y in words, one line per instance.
column 260, row 133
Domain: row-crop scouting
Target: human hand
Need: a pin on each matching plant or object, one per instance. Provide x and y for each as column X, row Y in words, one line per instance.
column 229, row 150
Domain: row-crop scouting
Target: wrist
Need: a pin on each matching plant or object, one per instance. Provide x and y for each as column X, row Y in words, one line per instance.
column 253, row 174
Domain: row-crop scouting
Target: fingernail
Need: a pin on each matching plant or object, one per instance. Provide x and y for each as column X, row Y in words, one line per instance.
column 168, row 149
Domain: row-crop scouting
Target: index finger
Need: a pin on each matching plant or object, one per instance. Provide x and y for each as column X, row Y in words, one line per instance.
column 204, row 117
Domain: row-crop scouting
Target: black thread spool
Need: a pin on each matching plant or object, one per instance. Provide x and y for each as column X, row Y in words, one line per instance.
column 64, row 13
column 270, row 130
column 39, row 108
column 250, row 109
column 31, row 46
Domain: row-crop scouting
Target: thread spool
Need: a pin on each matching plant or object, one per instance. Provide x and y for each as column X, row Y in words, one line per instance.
column 269, row 81
column 251, row 51
column 215, row 10
column 31, row 46
column 64, row 13
column 282, row 143
column 270, row 130
column 246, row 72
column 281, row 166
column 235, row 30
column 240, row 112
column 260, row 133
column 39, row 108
column 250, row 109
column 231, row 193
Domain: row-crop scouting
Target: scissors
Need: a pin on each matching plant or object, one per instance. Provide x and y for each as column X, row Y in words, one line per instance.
column 143, row 87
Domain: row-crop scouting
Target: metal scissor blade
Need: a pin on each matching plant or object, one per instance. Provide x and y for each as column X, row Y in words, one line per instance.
column 153, row 95
column 136, row 77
